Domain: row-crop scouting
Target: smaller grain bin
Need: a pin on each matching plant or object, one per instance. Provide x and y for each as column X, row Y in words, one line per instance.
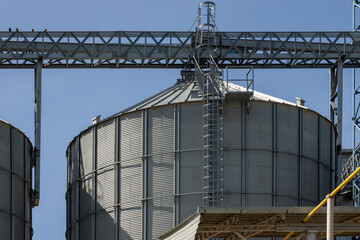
column 15, row 184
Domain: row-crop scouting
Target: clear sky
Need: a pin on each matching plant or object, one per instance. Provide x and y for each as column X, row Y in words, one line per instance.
column 71, row 98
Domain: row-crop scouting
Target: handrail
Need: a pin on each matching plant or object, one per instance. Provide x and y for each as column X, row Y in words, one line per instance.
column 332, row 194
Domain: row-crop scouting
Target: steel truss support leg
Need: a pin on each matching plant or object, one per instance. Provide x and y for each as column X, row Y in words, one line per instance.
column 37, row 135
column 339, row 76
column 333, row 95
column 336, row 92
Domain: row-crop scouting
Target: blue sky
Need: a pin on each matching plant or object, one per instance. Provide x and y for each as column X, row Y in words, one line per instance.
column 71, row 98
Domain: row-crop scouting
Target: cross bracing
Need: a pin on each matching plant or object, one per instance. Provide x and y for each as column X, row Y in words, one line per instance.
column 127, row 49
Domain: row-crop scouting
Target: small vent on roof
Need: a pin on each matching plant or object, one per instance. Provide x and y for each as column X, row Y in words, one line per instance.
column 194, row 93
column 96, row 119
column 300, row 102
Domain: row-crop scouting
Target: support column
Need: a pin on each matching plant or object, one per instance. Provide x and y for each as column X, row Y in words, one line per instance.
column 144, row 173
column 37, row 135
column 301, row 159
column 330, row 218
column 117, row 180
column 176, row 164
column 13, row 184
column 243, row 154
column 94, row 183
column 339, row 76
column 275, row 186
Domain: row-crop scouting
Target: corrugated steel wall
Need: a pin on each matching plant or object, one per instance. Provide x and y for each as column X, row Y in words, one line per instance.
column 15, row 184
column 141, row 172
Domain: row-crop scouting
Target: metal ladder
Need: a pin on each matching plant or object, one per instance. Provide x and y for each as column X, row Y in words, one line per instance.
column 209, row 78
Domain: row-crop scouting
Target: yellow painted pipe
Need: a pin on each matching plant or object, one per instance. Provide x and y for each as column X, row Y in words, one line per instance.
column 332, row 194
column 287, row 236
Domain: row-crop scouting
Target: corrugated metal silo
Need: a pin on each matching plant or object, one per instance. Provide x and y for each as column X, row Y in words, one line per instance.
column 15, row 184
column 138, row 173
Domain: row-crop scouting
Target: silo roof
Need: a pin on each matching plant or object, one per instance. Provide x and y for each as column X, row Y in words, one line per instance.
column 189, row 91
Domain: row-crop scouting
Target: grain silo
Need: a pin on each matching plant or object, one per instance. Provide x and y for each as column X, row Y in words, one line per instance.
column 137, row 174
column 15, row 184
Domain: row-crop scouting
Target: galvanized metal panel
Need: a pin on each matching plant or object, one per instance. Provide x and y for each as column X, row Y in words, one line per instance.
column 130, row 180
column 232, row 171
column 288, row 201
column 130, row 176
column 232, row 199
column 259, row 178
column 326, row 187
column 131, row 136
column 73, row 232
column 86, row 152
column 287, row 128
column 105, row 225
column 160, row 175
column 86, row 166
column 105, row 160
column 288, row 176
column 307, row 203
column 256, row 200
column 105, row 143
column 161, row 130
column 189, row 204
column 73, row 201
column 190, row 126
column 311, row 185
column 75, row 160
column 232, row 125
column 85, row 196
column 160, row 215
column 19, row 228
column 85, row 226
column 259, row 171
column 5, row 145
column 105, row 188
column 190, row 172
column 28, row 159
column 260, row 125
column 5, row 229
column 19, row 197
column 310, row 134
column 19, row 154
column 5, row 189
column 325, row 143
column 130, row 220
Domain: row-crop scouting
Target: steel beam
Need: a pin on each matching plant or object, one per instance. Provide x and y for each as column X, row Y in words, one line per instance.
column 333, row 95
column 125, row 49
column 37, row 135
column 339, row 76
